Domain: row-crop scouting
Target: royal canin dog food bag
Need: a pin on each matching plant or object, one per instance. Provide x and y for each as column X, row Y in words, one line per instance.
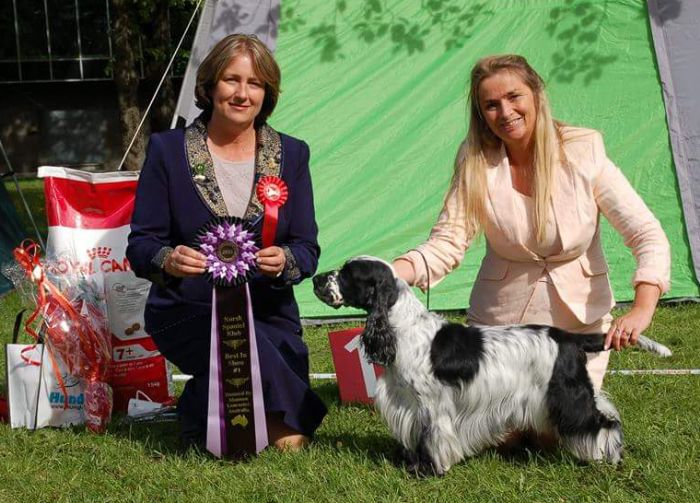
column 89, row 216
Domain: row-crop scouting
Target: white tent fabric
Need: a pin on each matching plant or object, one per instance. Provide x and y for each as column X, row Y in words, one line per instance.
column 220, row 18
column 675, row 28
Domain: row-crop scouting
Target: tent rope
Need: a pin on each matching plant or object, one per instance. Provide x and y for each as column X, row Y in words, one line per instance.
column 11, row 172
column 162, row 79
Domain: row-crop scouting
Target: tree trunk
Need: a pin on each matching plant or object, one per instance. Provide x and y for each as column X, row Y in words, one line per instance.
column 161, row 50
column 126, row 79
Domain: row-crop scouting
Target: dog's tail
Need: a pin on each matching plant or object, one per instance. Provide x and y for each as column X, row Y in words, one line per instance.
column 652, row 346
column 593, row 343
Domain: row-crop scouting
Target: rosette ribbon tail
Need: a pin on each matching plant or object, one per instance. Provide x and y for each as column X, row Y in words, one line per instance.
column 236, row 424
column 269, row 225
column 272, row 193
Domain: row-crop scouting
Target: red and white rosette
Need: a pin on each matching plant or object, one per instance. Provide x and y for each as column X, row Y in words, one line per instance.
column 272, row 193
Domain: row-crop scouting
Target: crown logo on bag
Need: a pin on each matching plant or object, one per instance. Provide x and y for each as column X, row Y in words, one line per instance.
column 99, row 251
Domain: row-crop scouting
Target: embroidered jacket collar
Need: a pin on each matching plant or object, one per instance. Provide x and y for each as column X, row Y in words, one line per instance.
column 268, row 162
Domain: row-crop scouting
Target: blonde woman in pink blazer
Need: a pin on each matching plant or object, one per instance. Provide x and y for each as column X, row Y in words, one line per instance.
column 536, row 189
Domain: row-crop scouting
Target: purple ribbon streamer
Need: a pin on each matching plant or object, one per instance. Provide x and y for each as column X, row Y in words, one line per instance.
column 216, row 442
column 261, row 439
column 215, row 420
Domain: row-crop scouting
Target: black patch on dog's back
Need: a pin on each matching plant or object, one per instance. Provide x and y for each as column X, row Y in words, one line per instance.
column 570, row 397
column 456, row 352
column 591, row 343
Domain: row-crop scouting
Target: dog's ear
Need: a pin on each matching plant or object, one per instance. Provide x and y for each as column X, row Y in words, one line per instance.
column 379, row 338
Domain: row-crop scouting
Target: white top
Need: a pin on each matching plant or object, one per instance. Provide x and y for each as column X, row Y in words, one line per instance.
column 235, row 179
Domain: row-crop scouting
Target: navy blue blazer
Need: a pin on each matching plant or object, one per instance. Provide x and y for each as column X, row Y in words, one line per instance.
column 170, row 208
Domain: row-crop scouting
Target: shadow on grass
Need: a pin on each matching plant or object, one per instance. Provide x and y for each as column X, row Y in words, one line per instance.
column 327, row 391
column 525, row 452
column 377, row 447
column 381, row 447
column 163, row 438
column 158, row 438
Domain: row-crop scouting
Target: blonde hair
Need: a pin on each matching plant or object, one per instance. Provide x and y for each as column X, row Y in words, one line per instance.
column 469, row 178
column 212, row 68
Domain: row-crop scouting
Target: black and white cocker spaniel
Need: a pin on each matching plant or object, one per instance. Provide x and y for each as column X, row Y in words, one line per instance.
column 449, row 391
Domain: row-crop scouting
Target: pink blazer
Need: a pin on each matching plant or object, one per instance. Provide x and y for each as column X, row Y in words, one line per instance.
column 592, row 185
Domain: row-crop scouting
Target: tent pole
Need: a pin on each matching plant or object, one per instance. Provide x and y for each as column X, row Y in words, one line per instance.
column 12, row 173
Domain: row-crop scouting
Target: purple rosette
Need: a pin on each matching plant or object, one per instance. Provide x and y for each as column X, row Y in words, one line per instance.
column 229, row 245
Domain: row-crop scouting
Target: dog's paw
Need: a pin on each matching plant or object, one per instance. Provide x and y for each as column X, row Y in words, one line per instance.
column 424, row 469
column 412, row 462
column 405, row 457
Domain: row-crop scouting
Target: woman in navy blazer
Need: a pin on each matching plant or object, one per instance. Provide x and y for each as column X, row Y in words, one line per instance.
column 186, row 181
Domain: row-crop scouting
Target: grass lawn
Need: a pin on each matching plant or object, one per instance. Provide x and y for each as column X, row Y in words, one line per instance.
column 352, row 456
column 33, row 191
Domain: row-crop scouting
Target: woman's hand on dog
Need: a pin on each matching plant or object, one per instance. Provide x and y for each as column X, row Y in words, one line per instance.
column 271, row 261
column 404, row 270
column 184, row 262
column 625, row 330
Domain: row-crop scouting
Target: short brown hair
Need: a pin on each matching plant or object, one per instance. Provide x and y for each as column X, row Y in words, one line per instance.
column 214, row 64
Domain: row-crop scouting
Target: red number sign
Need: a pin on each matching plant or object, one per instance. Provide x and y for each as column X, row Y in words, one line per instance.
column 357, row 378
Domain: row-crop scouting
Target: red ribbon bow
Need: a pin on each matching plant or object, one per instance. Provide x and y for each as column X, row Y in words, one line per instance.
column 27, row 256
column 272, row 193
column 92, row 346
